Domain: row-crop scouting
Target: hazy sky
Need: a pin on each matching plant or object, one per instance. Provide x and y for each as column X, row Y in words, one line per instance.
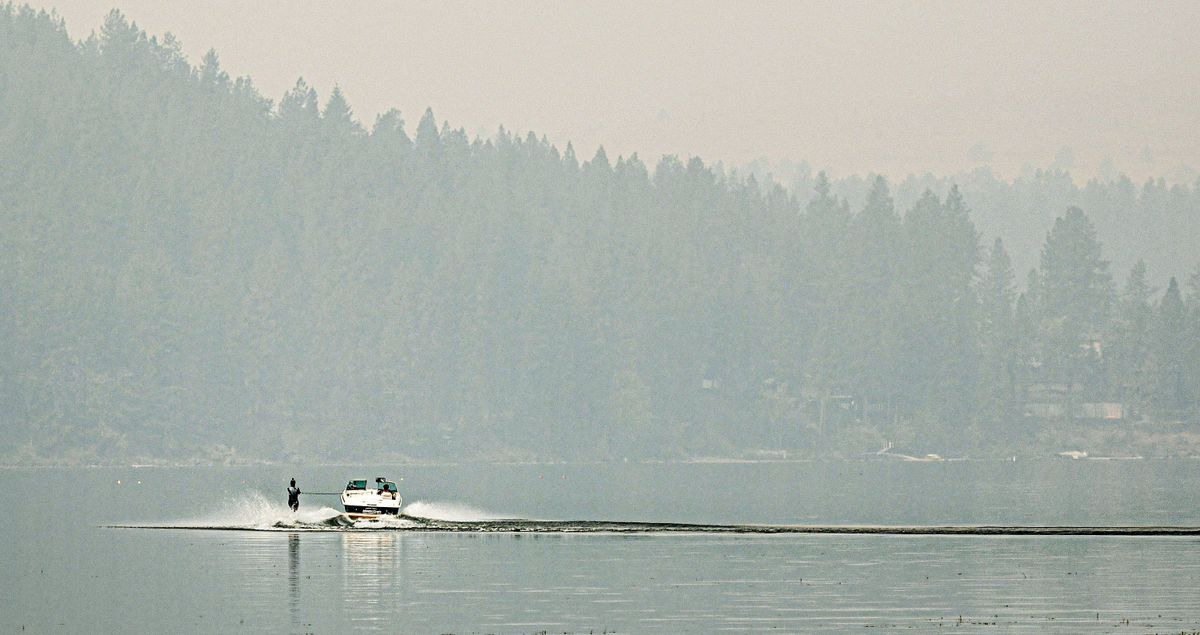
column 856, row 87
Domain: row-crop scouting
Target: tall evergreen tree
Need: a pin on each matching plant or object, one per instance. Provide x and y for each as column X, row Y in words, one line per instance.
column 1130, row 351
column 337, row 115
column 823, row 298
column 1171, row 393
column 1075, row 296
column 875, row 247
column 299, row 105
column 935, row 311
column 210, row 71
column 1192, row 344
column 999, row 341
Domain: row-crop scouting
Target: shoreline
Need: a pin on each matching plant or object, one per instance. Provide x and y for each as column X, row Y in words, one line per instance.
column 866, row 458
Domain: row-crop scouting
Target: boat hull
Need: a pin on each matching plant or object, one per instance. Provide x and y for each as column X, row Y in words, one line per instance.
column 351, row 510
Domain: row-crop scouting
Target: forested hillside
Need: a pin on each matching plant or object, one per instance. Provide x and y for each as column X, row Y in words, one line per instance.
column 190, row 271
column 1153, row 221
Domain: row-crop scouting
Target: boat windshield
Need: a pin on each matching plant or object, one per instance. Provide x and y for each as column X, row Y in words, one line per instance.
column 357, row 484
column 387, row 487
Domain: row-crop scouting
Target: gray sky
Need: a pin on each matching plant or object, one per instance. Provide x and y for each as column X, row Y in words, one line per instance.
column 856, row 87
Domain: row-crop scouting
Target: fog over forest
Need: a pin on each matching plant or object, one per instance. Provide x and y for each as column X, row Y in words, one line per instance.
column 193, row 272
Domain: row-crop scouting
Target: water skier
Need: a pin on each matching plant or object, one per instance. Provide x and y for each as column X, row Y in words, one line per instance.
column 294, row 496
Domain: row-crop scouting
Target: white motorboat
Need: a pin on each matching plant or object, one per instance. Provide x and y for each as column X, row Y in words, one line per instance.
column 363, row 501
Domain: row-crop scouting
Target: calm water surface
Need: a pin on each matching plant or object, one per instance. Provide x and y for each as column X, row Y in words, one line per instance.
column 63, row 571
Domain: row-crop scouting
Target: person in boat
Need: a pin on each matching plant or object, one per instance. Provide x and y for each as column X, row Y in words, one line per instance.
column 294, row 496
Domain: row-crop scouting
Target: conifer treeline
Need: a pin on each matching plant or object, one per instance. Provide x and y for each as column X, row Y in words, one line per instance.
column 187, row 269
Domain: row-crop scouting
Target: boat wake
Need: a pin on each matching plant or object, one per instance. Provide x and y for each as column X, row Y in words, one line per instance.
column 254, row 512
column 453, row 512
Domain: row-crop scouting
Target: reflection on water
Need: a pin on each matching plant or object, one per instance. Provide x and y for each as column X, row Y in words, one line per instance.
column 372, row 575
column 406, row 582
column 294, row 578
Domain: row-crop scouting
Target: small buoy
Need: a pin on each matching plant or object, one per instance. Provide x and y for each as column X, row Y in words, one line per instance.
column 139, row 482
column 118, row 481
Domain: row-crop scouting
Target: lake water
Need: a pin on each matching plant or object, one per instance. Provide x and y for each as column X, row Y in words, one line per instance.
column 64, row 570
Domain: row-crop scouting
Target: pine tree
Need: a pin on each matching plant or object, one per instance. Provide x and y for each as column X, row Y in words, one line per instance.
column 875, row 247
column 337, row 116
column 999, row 341
column 1192, row 344
column 1027, row 315
column 1129, row 352
column 119, row 40
column 211, row 73
column 299, row 105
column 1075, row 296
column 935, row 306
column 1171, row 391
column 822, row 298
